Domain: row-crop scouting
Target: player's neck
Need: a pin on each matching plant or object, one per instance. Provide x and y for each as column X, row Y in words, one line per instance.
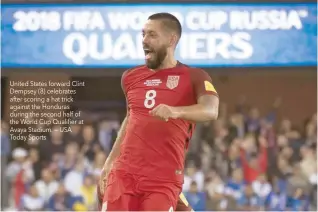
column 166, row 64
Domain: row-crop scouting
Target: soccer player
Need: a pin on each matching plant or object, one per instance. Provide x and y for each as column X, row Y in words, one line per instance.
column 165, row 99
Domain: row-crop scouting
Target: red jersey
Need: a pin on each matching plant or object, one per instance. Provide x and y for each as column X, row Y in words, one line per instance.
column 152, row 147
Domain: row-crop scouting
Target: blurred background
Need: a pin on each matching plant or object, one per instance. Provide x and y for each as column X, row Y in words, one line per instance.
column 259, row 155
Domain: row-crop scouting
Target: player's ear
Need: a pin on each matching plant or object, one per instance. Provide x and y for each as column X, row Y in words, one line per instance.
column 173, row 40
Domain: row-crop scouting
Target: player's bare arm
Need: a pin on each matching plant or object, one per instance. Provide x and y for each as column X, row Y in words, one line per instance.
column 206, row 110
column 116, row 148
column 206, row 97
column 114, row 153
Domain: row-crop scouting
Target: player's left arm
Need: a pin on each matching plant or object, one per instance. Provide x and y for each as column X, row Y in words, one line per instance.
column 205, row 110
column 207, row 106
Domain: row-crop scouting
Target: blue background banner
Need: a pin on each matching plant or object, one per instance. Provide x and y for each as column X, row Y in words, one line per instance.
column 110, row 35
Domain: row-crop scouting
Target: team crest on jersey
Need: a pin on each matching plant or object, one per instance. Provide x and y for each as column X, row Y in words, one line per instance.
column 173, row 81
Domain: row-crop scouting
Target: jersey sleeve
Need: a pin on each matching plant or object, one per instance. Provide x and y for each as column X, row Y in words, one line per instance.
column 126, row 78
column 202, row 83
column 124, row 88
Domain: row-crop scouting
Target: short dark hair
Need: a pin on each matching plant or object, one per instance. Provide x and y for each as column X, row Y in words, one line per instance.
column 169, row 20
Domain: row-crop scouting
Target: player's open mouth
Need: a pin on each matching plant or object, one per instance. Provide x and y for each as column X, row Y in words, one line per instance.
column 148, row 53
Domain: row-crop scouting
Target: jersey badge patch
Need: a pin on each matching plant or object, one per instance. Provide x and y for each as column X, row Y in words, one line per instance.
column 209, row 86
column 172, row 82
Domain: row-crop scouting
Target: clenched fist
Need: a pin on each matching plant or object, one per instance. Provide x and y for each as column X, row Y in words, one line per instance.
column 165, row 112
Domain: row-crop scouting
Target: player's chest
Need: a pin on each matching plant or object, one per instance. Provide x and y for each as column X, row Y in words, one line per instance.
column 150, row 91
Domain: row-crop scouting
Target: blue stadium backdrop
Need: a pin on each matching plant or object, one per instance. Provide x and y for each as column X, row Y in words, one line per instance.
column 110, row 35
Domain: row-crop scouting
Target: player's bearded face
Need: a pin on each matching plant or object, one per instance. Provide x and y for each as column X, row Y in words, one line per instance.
column 154, row 56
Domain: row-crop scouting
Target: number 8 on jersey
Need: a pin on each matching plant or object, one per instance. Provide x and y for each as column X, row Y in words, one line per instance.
column 150, row 99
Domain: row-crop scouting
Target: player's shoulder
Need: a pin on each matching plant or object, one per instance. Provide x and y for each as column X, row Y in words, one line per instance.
column 133, row 70
column 195, row 72
column 191, row 69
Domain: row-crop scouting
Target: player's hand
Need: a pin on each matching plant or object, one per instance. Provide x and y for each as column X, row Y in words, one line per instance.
column 164, row 112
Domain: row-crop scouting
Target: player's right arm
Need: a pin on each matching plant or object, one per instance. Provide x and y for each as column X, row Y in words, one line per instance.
column 114, row 153
column 116, row 148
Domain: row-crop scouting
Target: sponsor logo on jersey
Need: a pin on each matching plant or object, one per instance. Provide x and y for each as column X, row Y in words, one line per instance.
column 173, row 82
column 209, row 86
column 153, row 82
